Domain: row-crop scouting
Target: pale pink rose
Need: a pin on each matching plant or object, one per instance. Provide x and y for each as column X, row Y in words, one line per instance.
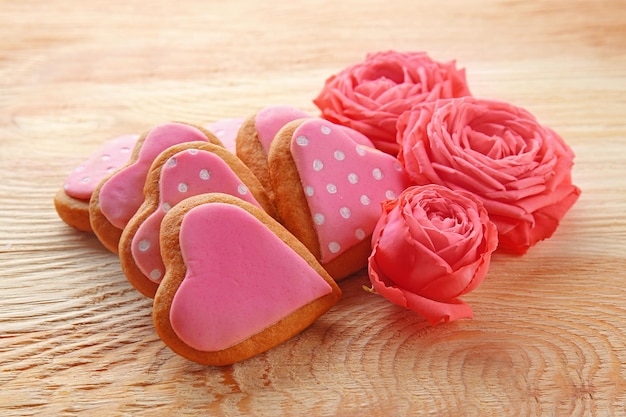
column 519, row 169
column 431, row 246
column 371, row 95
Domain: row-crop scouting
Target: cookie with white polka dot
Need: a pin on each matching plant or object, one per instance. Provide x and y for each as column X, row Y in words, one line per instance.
column 118, row 196
column 328, row 190
column 180, row 172
column 257, row 133
column 72, row 199
column 237, row 283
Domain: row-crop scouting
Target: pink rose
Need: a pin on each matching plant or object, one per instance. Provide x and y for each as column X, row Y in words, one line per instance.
column 430, row 246
column 371, row 95
column 519, row 169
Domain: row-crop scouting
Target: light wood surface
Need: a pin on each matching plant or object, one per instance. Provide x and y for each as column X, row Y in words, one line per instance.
column 549, row 333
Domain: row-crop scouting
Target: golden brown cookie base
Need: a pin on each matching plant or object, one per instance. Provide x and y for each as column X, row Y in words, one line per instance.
column 106, row 233
column 351, row 261
column 249, row 149
column 73, row 212
column 291, row 202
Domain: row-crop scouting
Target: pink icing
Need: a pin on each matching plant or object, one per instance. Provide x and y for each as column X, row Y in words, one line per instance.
column 122, row 194
column 344, row 183
column 356, row 136
column 226, row 131
column 110, row 156
column 188, row 173
column 270, row 120
column 241, row 278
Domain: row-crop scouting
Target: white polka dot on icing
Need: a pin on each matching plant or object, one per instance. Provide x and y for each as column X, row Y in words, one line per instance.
column 331, row 188
column 397, row 166
column 182, row 187
column 319, row 219
column 318, row 165
column 85, row 180
column 390, row 194
column 365, row 200
column 205, row 174
column 359, row 233
column 166, row 207
column 143, row 245
column 334, row 247
column 172, row 162
column 339, row 156
column 242, row 189
column 325, row 130
column 155, row 274
column 302, row 140
column 377, row 174
column 345, row 212
column 360, row 150
column 125, row 150
column 353, row 178
column 309, row 190
column 105, row 157
column 192, row 151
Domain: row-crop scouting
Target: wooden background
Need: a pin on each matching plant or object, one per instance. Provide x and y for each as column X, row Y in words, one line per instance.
column 550, row 329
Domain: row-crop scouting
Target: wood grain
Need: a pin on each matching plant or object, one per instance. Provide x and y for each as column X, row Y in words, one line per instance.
column 548, row 336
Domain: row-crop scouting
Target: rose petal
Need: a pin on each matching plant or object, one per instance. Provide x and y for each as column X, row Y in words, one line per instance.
column 434, row 311
column 407, row 260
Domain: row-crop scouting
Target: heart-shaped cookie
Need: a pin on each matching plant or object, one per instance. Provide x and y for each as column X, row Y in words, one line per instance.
column 72, row 200
column 258, row 131
column 118, row 196
column 226, row 131
column 329, row 188
column 236, row 284
column 178, row 173
column 256, row 134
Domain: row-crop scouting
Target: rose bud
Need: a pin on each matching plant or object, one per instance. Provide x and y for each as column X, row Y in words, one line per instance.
column 519, row 169
column 371, row 95
column 430, row 246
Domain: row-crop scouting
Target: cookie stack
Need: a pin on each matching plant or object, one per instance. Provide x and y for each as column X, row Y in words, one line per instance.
column 241, row 230
column 240, row 250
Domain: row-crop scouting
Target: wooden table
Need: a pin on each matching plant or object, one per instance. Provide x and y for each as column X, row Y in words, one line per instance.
column 550, row 328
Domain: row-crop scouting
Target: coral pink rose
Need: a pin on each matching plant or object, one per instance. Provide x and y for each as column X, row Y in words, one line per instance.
column 430, row 246
column 519, row 169
column 371, row 95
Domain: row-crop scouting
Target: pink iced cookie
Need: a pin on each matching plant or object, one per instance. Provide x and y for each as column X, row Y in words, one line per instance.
column 121, row 195
column 270, row 120
column 237, row 284
column 180, row 172
column 110, row 156
column 336, row 185
column 226, row 131
column 185, row 174
column 358, row 137
column 72, row 201
column 256, row 134
column 116, row 199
